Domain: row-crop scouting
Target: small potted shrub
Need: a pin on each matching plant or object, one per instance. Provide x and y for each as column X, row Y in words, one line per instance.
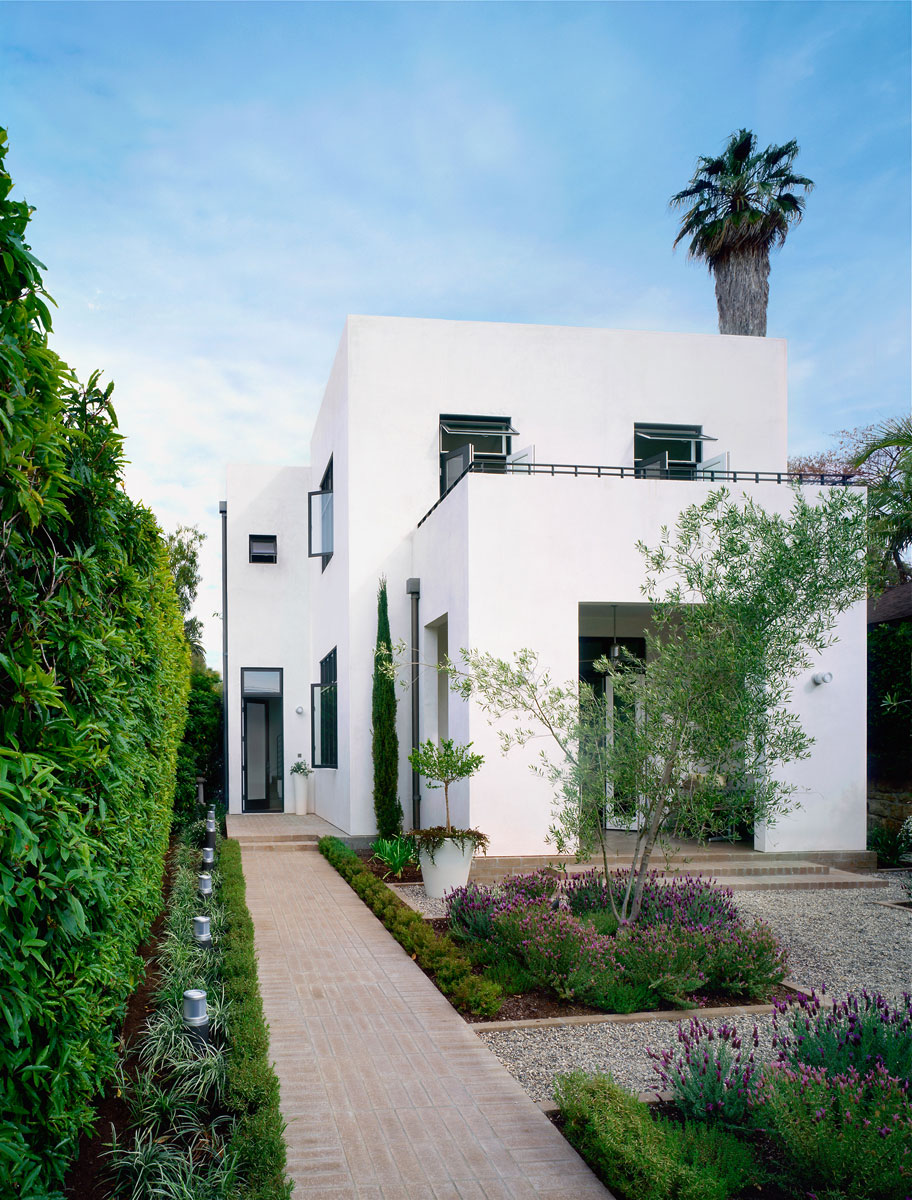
column 300, row 774
column 445, row 853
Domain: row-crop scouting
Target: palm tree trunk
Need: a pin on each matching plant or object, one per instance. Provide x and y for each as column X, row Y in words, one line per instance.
column 742, row 292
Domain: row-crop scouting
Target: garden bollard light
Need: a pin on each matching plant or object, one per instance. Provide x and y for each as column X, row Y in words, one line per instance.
column 205, row 885
column 196, row 1016
column 201, row 933
column 210, row 834
column 208, row 856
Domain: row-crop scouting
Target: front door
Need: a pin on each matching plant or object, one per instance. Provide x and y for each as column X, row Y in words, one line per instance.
column 261, row 740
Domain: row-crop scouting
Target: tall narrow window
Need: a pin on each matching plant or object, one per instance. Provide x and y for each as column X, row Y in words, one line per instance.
column 324, row 730
column 320, row 519
column 263, row 548
column 465, row 439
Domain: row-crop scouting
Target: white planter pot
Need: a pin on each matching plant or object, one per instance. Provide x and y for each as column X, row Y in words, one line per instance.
column 450, row 868
column 301, row 788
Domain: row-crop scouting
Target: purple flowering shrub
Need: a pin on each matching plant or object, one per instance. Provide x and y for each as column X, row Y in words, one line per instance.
column 556, row 948
column 471, row 911
column 860, row 1032
column 710, row 1075
column 689, row 900
column 744, row 959
column 848, row 1130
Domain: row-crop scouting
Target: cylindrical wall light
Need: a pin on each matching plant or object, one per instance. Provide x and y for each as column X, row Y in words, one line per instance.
column 823, row 677
column 205, row 884
column 196, row 1015
column 201, row 933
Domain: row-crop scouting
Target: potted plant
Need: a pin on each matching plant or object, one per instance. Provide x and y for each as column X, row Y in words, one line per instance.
column 300, row 773
column 445, row 853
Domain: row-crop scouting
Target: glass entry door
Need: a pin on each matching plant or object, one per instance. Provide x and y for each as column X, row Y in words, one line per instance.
column 262, row 770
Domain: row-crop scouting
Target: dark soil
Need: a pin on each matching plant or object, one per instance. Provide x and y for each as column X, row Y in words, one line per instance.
column 765, row 1152
column 410, row 874
column 85, row 1178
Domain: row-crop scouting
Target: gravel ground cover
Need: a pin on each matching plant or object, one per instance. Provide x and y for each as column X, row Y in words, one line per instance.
column 843, row 939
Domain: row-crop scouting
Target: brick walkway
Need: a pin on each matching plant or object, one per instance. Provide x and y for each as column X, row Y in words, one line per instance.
column 387, row 1093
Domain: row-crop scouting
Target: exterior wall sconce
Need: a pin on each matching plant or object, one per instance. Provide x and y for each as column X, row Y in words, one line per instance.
column 205, row 885
column 201, row 933
column 196, row 1015
column 823, row 677
column 300, row 710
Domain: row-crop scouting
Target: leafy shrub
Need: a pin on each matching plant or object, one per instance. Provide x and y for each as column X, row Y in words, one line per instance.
column 93, row 686
column 687, row 900
column 709, row 1075
column 850, row 1131
column 892, row 846
column 471, row 911
column 644, row 1157
column 451, row 967
column 199, row 753
column 510, row 977
column 858, row 1032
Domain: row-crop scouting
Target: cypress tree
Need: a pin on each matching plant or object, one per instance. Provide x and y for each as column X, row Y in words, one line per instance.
column 384, row 742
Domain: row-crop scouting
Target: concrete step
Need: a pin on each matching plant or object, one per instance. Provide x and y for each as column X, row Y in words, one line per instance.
column 288, row 846
column 253, row 839
column 798, row 883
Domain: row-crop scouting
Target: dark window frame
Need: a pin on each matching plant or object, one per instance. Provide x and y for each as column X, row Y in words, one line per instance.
column 263, row 559
column 659, row 463
column 272, row 696
column 326, row 694
column 477, row 426
column 325, row 489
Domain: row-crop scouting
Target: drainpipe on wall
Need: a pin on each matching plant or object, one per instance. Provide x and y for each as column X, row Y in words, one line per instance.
column 413, row 589
column 223, row 512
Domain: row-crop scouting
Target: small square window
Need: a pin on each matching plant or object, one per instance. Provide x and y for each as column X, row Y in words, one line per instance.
column 263, row 548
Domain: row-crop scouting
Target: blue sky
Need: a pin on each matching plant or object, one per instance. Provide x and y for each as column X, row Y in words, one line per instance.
column 218, row 185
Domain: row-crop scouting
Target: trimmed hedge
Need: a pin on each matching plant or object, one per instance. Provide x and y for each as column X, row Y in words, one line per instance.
column 645, row 1157
column 438, row 954
column 253, row 1089
column 93, row 688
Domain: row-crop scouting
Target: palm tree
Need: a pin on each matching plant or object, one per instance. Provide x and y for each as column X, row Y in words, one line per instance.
column 740, row 205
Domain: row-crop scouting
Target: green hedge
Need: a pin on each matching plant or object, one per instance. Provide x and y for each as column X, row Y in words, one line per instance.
column 93, row 688
column 646, row 1158
column 253, row 1089
column 452, row 969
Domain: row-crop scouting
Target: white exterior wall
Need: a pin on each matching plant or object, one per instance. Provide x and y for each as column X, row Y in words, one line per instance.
column 268, row 605
column 508, row 559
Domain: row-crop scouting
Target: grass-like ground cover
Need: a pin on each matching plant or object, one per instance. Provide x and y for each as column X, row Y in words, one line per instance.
column 203, row 1121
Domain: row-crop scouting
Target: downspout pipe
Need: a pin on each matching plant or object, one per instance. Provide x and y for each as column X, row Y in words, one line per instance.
column 223, row 513
column 413, row 590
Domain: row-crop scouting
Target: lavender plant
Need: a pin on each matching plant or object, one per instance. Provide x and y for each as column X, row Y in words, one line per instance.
column 849, row 1130
column 709, row 1073
column 859, row 1033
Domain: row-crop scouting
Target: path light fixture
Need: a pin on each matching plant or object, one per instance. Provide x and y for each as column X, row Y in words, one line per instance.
column 196, row 1016
column 205, row 885
column 201, row 933
column 210, row 834
column 208, row 856
column 823, row 677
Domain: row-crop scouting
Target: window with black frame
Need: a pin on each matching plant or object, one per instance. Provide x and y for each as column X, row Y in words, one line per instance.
column 668, row 451
column 324, row 731
column 320, row 519
column 467, row 439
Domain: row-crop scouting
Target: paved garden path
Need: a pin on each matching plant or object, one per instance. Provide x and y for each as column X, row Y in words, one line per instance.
column 387, row 1093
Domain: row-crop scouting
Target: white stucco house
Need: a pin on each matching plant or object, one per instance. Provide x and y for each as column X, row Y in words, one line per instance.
column 499, row 477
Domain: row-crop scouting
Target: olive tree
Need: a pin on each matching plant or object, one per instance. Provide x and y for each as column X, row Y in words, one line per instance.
column 741, row 599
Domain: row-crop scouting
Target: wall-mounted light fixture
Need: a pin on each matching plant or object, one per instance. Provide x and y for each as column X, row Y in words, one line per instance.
column 202, row 934
column 823, row 677
column 196, row 1015
column 300, row 710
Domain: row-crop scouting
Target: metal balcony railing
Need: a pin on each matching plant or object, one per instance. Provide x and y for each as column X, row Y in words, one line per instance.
column 676, row 474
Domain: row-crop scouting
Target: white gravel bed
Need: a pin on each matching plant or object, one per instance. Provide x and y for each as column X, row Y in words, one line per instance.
column 843, row 939
column 425, row 905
